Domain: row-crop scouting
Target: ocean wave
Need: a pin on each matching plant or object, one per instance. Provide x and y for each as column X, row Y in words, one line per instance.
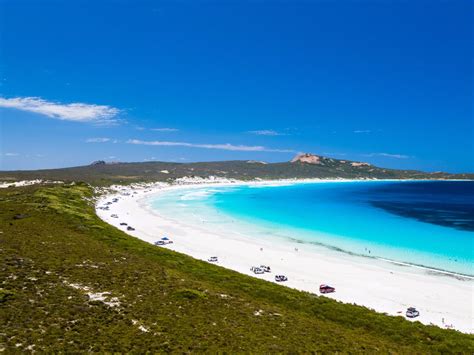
column 197, row 195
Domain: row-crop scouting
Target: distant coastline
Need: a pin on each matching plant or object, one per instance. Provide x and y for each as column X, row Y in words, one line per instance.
column 302, row 167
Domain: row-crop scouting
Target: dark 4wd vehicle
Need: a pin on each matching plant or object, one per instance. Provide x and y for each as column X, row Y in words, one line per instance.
column 326, row 289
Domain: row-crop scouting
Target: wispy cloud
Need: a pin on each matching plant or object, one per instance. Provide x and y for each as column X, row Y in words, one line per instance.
column 98, row 140
column 11, row 154
column 387, row 155
column 328, row 154
column 227, row 146
column 358, row 131
column 77, row 112
column 165, row 129
column 267, row 132
column 149, row 159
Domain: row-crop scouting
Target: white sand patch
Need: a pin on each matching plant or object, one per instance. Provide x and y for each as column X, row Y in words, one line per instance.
column 386, row 287
column 104, row 297
column 86, row 264
column 356, row 164
column 258, row 313
column 140, row 326
column 4, row 185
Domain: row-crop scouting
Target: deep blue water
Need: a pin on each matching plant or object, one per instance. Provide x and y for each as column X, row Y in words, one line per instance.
column 449, row 204
column 424, row 223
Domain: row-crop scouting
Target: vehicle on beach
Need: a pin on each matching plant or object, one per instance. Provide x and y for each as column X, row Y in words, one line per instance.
column 326, row 289
column 257, row 270
column 129, row 228
column 113, row 216
column 123, row 224
column 412, row 312
column 164, row 241
column 213, row 259
column 115, row 200
column 281, row 278
column 265, row 268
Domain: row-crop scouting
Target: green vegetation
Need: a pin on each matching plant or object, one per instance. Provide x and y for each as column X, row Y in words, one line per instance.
column 144, row 298
column 124, row 173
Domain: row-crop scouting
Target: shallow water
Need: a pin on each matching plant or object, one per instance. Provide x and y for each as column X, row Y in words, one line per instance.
column 423, row 223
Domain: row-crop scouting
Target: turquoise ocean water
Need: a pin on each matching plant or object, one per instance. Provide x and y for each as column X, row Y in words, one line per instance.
column 429, row 224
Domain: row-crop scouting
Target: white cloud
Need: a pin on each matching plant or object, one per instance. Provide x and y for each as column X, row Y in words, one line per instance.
column 165, row 129
column 227, row 146
column 362, row 131
column 98, row 140
column 149, row 159
column 77, row 112
column 388, row 155
column 266, row 132
column 11, row 154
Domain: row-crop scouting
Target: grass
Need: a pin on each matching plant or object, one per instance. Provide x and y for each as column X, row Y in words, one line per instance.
column 72, row 283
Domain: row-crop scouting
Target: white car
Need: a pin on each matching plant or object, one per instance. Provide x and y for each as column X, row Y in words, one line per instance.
column 412, row 312
column 257, row 270
column 213, row 259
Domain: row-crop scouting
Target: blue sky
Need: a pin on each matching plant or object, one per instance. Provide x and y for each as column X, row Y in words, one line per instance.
column 388, row 82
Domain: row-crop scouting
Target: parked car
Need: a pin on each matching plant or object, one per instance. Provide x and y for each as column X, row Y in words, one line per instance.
column 123, row 224
column 257, row 270
column 412, row 312
column 160, row 242
column 213, row 259
column 129, row 228
column 326, row 289
column 281, row 278
column 265, row 268
column 114, row 215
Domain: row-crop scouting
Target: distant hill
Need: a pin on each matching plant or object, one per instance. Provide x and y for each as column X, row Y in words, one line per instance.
column 303, row 166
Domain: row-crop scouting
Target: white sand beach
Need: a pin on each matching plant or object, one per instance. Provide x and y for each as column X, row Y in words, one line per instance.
column 444, row 300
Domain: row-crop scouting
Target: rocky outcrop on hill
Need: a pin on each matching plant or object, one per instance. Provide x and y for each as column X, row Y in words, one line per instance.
column 306, row 158
column 98, row 162
column 357, row 163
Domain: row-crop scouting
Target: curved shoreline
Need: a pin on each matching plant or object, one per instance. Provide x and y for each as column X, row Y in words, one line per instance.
column 256, row 228
column 383, row 285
